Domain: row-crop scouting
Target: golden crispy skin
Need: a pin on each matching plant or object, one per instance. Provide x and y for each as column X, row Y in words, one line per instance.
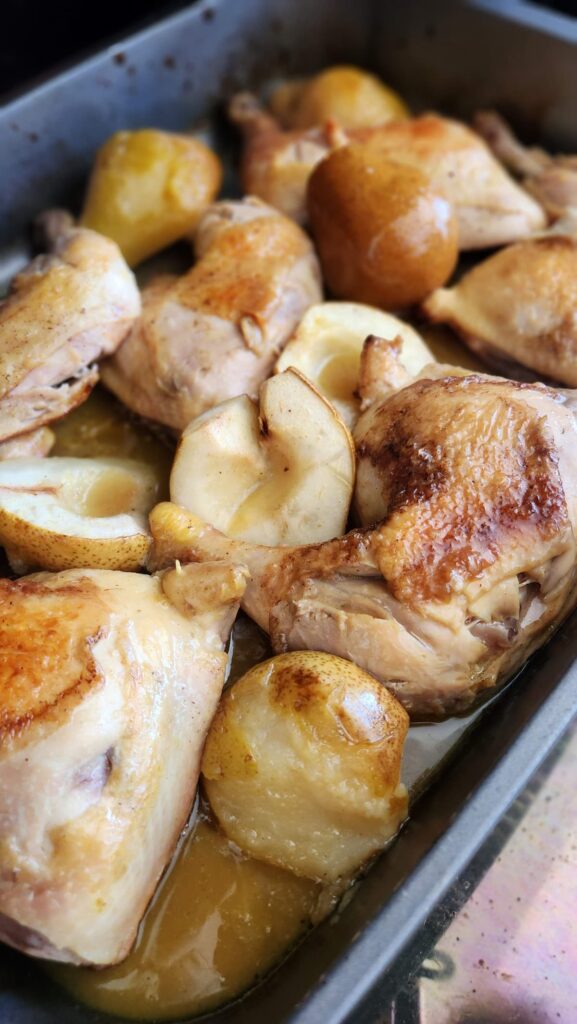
column 67, row 622
column 518, row 309
column 215, row 333
column 108, row 683
column 458, row 470
column 65, row 311
column 490, row 207
column 467, row 491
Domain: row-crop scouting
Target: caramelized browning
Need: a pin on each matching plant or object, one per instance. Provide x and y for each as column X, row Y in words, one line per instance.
column 462, row 467
column 35, row 691
column 109, row 681
column 214, row 333
column 468, row 491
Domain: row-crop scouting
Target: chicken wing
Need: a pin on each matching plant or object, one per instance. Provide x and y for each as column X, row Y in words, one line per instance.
column 109, row 682
column 216, row 332
column 491, row 208
column 471, row 482
column 65, row 310
column 551, row 179
column 518, row 309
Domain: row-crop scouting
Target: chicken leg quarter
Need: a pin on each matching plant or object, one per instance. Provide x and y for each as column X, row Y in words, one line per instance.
column 215, row 333
column 65, row 311
column 467, row 489
column 109, row 682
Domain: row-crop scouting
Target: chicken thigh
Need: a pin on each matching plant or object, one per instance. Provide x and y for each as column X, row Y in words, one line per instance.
column 518, row 309
column 216, row 332
column 471, row 485
column 109, row 681
column 65, row 310
column 491, row 208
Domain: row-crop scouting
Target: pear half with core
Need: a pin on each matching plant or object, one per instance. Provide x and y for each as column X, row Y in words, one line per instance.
column 65, row 513
column 277, row 472
column 328, row 343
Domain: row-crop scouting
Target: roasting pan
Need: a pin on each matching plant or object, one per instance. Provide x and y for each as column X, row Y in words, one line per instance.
column 451, row 55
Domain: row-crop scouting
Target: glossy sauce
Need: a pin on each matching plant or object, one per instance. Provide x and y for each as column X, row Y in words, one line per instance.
column 219, row 920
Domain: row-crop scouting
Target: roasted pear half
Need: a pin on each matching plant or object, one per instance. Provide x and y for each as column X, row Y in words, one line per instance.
column 66, row 513
column 328, row 343
column 280, row 471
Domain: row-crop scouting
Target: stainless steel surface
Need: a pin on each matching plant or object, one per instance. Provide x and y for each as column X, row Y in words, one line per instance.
column 509, row 956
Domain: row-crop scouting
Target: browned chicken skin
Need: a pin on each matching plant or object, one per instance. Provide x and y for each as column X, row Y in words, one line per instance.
column 491, row 208
column 518, row 308
column 65, row 310
column 471, row 481
column 109, row 681
column 215, row 333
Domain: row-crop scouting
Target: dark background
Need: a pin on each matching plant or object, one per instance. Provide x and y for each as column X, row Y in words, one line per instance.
column 38, row 35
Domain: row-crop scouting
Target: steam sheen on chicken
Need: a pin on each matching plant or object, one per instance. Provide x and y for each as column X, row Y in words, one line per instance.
column 109, row 682
column 491, row 208
column 65, row 311
column 216, row 332
column 472, row 487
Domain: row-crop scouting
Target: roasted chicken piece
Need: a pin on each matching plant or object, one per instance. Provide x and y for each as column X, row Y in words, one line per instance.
column 551, row 179
column 37, row 443
column 471, row 485
column 65, row 311
column 490, row 207
column 216, row 332
column 276, row 164
column 109, row 682
column 518, row 308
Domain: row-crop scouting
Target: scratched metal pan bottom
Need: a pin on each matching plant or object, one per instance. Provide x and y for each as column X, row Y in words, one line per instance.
column 450, row 55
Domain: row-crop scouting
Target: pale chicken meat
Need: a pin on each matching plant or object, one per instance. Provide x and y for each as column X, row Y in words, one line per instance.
column 109, row 682
column 66, row 310
column 552, row 180
column 491, row 208
column 518, row 309
column 37, row 443
column 215, row 333
column 467, row 491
